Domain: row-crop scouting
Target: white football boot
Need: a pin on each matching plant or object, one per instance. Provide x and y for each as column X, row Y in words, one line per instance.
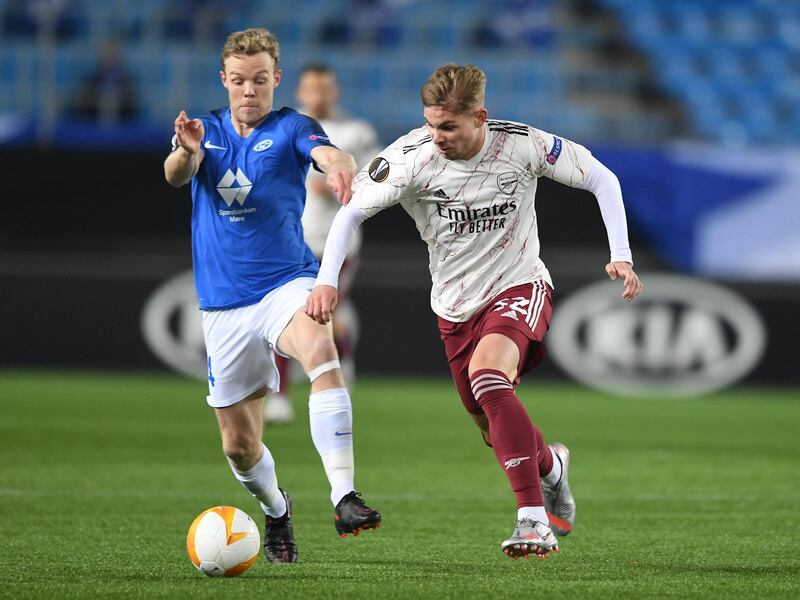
column 530, row 537
column 558, row 500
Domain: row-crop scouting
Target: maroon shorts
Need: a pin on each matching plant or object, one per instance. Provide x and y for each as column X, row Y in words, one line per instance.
column 521, row 313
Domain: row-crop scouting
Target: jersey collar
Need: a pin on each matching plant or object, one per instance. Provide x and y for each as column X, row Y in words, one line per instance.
column 232, row 130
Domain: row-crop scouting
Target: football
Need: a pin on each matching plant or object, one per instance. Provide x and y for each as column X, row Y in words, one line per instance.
column 223, row 540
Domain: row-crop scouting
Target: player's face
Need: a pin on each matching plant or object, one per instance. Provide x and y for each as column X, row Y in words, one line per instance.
column 251, row 82
column 317, row 93
column 457, row 135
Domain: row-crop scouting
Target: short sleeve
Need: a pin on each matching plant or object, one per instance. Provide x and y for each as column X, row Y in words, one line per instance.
column 383, row 182
column 558, row 158
column 308, row 134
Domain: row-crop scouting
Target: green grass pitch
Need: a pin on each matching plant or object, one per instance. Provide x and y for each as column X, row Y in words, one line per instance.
column 103, row 473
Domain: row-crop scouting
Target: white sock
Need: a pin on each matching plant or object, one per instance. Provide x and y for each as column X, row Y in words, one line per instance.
column 536, row 513
column 331, row 419
column 554, row 476
column 262, row 481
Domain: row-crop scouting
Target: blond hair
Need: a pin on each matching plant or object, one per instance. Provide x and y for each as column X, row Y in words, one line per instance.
column 459, row 87
column 251, row 41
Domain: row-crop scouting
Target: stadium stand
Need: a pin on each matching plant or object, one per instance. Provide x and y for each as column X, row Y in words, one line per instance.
column 610, row 71
column 733, row 64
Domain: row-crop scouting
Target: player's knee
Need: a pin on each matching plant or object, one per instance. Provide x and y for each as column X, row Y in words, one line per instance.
column 495, row 352
column 486, row 360
column 319, row 350
column 241, row 451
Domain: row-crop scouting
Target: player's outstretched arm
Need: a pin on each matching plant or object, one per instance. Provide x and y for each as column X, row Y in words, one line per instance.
column 183, row 163
column 573, row 165
column 605, row 186
column 378, row 186
column 632, row 285
column 340, row 168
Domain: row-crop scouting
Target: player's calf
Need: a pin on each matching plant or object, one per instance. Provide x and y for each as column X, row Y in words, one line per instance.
column 513, row 435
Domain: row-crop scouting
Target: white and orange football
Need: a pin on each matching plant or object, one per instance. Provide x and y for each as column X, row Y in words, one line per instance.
column 223, row 541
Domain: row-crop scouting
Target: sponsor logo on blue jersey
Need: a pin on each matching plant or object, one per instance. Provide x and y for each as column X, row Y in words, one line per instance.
column 230, row 193
column 262, row 145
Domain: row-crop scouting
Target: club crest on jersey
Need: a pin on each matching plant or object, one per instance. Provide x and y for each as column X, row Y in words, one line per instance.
column 555, row 152
column 378, row 169
column 507, row 182
column 262, row 145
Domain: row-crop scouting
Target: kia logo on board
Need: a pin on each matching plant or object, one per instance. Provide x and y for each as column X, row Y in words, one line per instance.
column 172, row 326
column 681, row 337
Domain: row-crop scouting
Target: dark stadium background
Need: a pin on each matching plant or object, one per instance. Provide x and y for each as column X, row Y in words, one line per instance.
column 664, row 93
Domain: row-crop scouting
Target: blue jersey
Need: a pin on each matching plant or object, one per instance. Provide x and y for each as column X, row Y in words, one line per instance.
column 248, row 197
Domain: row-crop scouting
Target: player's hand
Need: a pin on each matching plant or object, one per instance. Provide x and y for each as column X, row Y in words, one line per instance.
column 321, row 303
column 189, row 133
column 341, row 182
column 632, row 286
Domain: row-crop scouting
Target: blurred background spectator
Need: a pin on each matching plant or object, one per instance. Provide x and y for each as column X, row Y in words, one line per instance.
column 624, row 71
column 107, row 93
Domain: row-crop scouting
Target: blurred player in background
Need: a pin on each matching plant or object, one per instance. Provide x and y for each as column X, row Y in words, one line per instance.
column 317, row 95
column 247, row 165
column 469, row 183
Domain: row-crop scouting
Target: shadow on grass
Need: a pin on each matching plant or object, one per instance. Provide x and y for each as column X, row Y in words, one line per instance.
column 344, row 570
column 341, row 570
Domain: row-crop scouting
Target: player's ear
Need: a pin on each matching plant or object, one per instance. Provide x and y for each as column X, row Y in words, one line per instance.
column 223, row 79
column 278, row 75
column 480, row 116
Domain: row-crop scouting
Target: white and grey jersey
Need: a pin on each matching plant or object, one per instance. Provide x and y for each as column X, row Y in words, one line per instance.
column 477, row 216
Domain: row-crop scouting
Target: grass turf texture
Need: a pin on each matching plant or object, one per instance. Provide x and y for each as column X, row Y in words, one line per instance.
column 102, row 475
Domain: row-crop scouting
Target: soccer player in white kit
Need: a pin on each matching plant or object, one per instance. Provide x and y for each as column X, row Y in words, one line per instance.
column 317, row 95
column 469, row 183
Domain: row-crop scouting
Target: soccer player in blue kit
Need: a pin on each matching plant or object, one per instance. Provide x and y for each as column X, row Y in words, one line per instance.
column 247, row 165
